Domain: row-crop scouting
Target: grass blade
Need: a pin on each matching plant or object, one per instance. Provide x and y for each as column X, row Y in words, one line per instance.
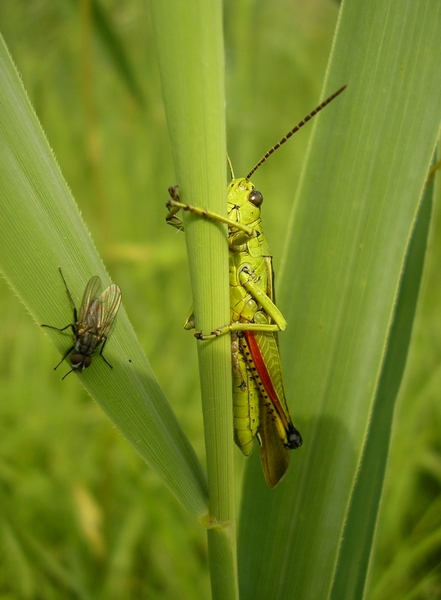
column 354, row 215
column 42, row 229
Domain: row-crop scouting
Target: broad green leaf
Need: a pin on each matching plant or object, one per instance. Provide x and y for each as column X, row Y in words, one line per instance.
column 359, row 535
column 41, row 229
column 354, row 213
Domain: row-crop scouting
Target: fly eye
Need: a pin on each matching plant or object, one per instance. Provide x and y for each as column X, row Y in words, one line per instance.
column 76, row 361
column 255, row 198
column 80, row 362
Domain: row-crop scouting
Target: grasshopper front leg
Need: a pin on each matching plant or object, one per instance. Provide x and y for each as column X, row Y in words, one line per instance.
column 174, row 205
column 173, row 208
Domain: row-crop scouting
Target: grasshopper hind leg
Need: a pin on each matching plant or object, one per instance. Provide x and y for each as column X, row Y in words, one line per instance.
column 245, row 401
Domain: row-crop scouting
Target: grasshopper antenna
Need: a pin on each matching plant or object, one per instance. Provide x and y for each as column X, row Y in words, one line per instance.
column 293, row 131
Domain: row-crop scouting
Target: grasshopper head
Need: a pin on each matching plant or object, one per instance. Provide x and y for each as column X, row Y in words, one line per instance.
column 244, row 201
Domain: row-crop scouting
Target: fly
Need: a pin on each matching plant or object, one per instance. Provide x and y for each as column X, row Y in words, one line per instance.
column 91, row 327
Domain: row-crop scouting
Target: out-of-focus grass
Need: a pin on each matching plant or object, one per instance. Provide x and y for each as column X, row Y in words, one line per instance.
column 81, row 513
column 407, row 557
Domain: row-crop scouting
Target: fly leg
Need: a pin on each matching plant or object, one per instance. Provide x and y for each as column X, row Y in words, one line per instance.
column 74, row 329
column 102, row 355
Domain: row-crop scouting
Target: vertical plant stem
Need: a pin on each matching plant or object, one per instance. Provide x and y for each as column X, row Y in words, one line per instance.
column 190, row 47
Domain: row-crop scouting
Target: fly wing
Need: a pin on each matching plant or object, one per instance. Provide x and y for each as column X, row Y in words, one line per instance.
column 89, row 296
column 105, row 309
column 273, row 454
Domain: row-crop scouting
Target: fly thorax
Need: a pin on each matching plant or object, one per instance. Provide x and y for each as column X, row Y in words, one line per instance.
column 86, row 343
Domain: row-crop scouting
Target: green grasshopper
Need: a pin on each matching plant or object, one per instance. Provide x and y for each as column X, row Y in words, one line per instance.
column 260, row 408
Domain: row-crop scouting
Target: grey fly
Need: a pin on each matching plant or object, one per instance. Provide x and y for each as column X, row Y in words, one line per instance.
column 92, row 325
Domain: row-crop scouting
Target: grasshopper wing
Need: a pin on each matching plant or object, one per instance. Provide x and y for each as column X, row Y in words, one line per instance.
column 277, row 433
column 262, row 353
column 273, row 454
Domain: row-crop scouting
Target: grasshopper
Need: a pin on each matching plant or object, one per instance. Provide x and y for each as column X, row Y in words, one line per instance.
column 260, row 409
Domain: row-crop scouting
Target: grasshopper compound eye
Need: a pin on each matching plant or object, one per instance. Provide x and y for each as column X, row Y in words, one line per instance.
column 255, row 198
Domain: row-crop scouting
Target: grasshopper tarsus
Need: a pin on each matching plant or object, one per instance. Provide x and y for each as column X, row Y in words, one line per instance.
column 173, row 192
column 174, row 206
column 209, row 336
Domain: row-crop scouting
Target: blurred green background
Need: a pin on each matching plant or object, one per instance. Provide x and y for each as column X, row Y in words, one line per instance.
column 81, row 515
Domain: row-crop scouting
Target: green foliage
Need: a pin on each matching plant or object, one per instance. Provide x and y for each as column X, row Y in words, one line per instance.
column 81, row 514
column 40, row 219
column 354, row 216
